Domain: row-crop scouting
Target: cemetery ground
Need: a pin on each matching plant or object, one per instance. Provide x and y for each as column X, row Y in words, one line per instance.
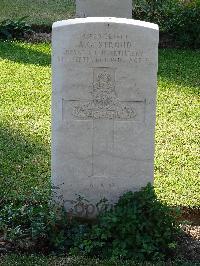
column 25, row 87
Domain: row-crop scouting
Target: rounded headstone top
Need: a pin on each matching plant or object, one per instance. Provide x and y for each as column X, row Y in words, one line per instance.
column 125, row 21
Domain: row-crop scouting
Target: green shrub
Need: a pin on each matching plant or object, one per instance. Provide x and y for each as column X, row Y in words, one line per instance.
column 149, row 10
column 138, row 226
column 184, row 24
column 34, row 226
column 14, row 29
column 180, row 19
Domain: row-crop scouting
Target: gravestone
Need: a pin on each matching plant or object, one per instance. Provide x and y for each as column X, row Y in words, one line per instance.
column 103, row 109
column 104, row 8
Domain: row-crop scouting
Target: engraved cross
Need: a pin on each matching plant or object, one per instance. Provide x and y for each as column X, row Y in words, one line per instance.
column 104, row 109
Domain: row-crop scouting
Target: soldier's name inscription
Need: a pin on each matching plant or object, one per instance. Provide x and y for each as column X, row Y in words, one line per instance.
column 105, row 47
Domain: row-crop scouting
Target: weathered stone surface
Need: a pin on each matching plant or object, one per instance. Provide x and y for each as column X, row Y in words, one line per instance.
column 104, row 8
column 103, row 108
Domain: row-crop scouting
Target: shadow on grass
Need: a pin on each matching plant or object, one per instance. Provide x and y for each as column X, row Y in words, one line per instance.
column 24, row 165
column 17, row 52
column 181, row 67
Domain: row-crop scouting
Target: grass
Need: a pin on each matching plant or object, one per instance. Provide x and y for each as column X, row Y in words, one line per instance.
column 38, row 11
column 25, row 119
column 25, row 87
column 177, row 174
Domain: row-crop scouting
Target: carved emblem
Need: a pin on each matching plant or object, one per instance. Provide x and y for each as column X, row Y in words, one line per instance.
column 105, row 103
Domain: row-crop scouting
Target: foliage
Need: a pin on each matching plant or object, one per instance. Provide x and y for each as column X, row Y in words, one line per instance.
column 184, row 24
column 138, row 226
column 180, row 19
column 34, row 225
column 14, row 29
column 149, row 10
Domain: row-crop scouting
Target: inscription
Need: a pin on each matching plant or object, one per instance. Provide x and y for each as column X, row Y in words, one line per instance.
column 105, row 45
column 104, row 48
column 103, row 56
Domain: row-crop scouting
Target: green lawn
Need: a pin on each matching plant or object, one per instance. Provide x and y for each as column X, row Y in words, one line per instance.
column 38, row 11
column 25, row 87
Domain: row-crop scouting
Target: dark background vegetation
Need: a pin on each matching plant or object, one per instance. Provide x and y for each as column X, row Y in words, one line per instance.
column 178, row 20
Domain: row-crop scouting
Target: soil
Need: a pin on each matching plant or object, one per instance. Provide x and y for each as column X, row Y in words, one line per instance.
column 38, row 37
column 189, row 243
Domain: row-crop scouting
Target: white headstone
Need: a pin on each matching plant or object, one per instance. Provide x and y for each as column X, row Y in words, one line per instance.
column 104, row 8
column 103, row 108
